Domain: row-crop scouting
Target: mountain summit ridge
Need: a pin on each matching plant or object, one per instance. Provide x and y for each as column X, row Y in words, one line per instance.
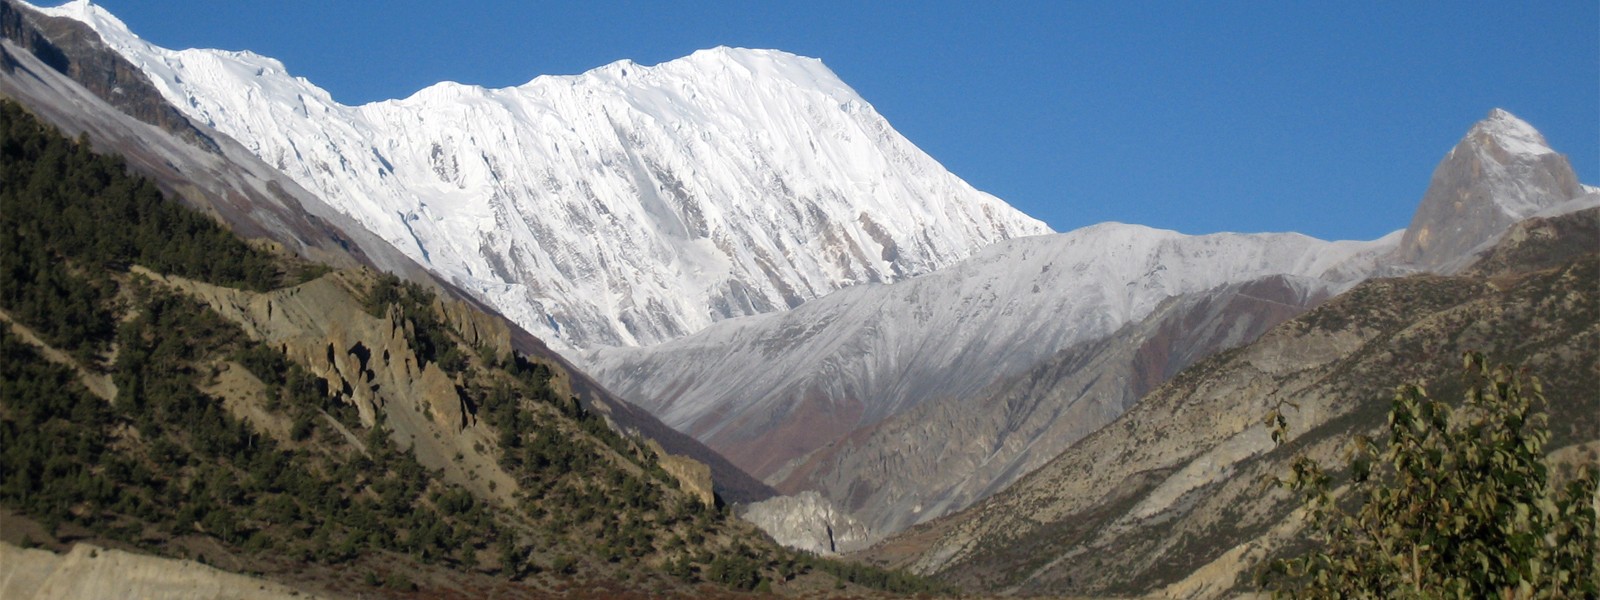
column 623, row 206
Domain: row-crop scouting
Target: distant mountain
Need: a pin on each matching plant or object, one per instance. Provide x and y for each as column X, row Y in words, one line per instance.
column 1502, row 172
column 628, row 205
column 944, row 455
column 766, row 390
column 1172, row 499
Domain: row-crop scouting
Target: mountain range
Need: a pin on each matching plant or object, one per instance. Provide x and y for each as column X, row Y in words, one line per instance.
column 1174, row 498
column 904, row 402
column 736, row 263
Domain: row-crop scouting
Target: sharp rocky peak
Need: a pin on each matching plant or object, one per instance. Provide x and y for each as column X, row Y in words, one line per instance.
column 1501, row 172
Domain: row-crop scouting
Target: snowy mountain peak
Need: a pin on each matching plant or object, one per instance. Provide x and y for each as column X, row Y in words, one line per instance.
column 627, row 205
column 1509, row 133
column 1501, row 172
column 103, row 22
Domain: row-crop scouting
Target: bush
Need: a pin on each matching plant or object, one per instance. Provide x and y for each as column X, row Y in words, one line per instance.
column 1458, row 503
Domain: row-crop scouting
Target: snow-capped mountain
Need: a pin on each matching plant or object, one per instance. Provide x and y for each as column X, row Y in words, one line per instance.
column 901, row 402
column 767, row 389
column 1500, row 173
column 628, row 205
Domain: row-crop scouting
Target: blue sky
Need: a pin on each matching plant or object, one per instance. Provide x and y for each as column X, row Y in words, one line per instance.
column 1320, row 117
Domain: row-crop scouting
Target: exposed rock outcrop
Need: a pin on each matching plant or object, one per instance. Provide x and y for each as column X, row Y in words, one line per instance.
column 368, row 362
column 477, row 327
column 807, row 521
column 692, row 475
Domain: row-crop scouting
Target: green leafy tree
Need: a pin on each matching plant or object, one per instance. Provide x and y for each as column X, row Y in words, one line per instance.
column 1457, row 504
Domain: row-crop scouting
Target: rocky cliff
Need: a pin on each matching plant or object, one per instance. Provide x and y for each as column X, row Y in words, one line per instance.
column 807, row 521
column 368, row 361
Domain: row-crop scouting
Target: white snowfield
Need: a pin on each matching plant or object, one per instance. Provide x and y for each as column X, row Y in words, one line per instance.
column 625, row 206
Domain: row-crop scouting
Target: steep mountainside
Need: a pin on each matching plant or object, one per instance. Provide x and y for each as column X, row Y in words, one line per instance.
column 60, row 69
column 169, row 388
column 945, row 455
column 628, row 205
column 213, row 173
column 1171, row 497
column 862, row 354
column 937, row 459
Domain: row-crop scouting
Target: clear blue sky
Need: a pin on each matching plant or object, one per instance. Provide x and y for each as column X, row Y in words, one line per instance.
column 1320, row 117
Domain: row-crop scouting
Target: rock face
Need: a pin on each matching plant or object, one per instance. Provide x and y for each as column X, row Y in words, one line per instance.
column 628, row 205
column 1500, row 173
column 807, row 521
column 368, row 361
column 692, row 475
column 1171, row 493
column 89, row 573
column 769, row 389
column 477, row 327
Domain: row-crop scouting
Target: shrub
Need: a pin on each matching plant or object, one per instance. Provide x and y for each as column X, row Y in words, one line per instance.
column 1457, row 503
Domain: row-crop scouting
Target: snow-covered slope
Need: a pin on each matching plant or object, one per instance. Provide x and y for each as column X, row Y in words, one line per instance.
column 764, row 390
column 627, row 205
